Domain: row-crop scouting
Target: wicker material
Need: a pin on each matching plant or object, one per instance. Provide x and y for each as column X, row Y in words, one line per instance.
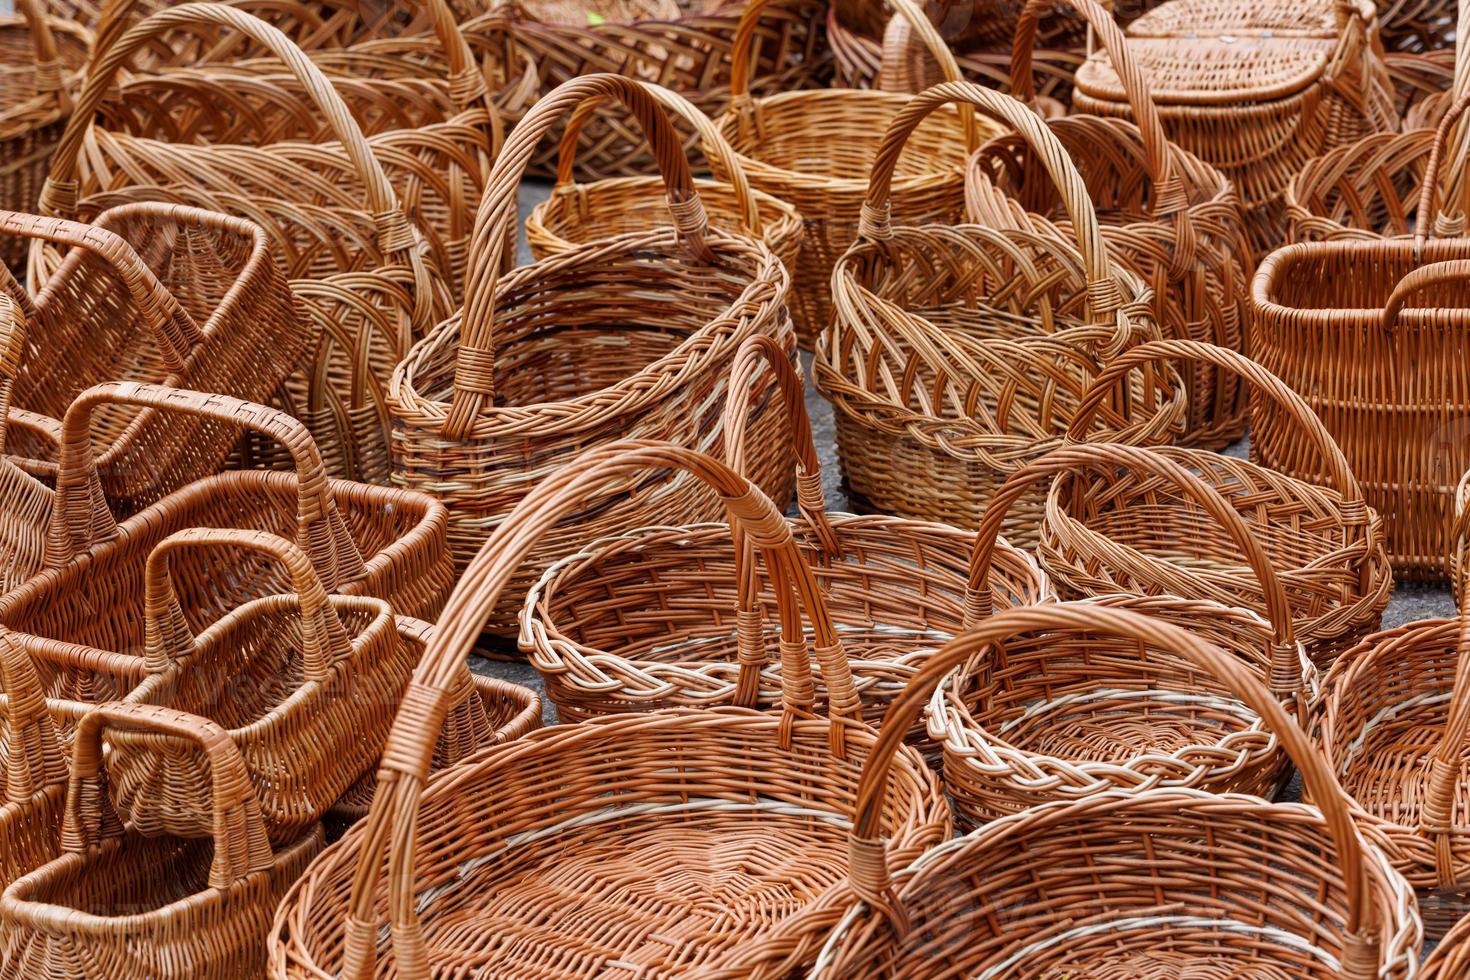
column 1451, row 958
column 959, row 352
column 1127, row 533
column 579, row 213
column 894, row 588
column 83, row 622
column 304, row 684
column 697, row 834
column 1418, row 79
column 814, row 149
column 1418, row 25
column 365, row 272
column 1065, row 714
column 25, row 500
column 1254, row 89
column 533, row 46
column 118, row 904
column 1166, row 215
column 34, row 770
column 629, row 336
column 1371, row 333
column 1163, row 883
column 154, row 293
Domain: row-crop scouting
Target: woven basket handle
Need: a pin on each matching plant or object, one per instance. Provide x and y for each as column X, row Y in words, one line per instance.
column 49, row 70
column 869, row 870
column 240, row 845
column 1169, row 194
column 474, row 370
column 324, row 641
column 12, row 348
column 1104, row 295
column 714, row 145
column 82, row 518
column 1444, row 223
column 408, row 753
column 174, row 331
column 1286, row 665
column 1434, row 274
column 34, row 758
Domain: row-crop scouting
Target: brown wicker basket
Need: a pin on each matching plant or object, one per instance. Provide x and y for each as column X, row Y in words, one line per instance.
column 118, row 904
column 959, row 352
column 530, row 47
column 733, row 818
column 894, row 589
column 41, row 64
column 34, row 770
column 1419, row 79
column 1451, row 958
column 1166, row 215
column 304, row 684
column 1333, row 321
column 83, row 621
column 1162, row 883
column 1256, row 90
column 578, row 213
column 153, row 293
column 629, row 336
column 1130, row 534
column 1418, row 25
column 814, row 149
column 1067, row 713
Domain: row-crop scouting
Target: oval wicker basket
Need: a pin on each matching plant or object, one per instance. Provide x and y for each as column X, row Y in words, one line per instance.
column 1166, row 215
column 1129, row 534
column 578, row 213
column 1163, row 883
column 1065, row 714
column 894, row 588
column 715, row 811
column 620, row 337
column 959, row 352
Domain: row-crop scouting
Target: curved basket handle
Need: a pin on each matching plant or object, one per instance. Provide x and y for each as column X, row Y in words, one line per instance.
column 715, row 148
column 1443, row 219
column 1433, row 274
column 474, row 368
column 82, row 519
column 1104, row 295
column 324, row 641
column 240, row 845
column 34, row 758
column 49, row 70
column 174, row 331
column 1169, row 194
column 869, row 869
column 1285, row 678
column 408, row 753
column 12, row 349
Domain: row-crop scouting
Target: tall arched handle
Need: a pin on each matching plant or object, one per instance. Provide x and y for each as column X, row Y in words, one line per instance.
column 1426, row 219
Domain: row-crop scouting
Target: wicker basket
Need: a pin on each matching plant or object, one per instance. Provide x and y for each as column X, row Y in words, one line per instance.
column 814, row 149
column 153, row 293
column 532, row 46
column 304, row 684
column 118, row 904
column 25, row 499
column 959, row 352
column 1130, row 534
column 579, row 213
column 732, row 818
column 1333, row 321
column 83, row 621
column 1162, row 883
column 34, row 770
column 1451, row 958
column 1166, row 215
column 1418, row 25
column 894, row 588
column 1067, row 713
column 1256, row 90
column 629, row 336
column 42, row 63
column 1417, row 79
column 365, row 272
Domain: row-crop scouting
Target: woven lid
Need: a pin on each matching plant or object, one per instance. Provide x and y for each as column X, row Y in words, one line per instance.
column 1212, row 70
column 1192, row 18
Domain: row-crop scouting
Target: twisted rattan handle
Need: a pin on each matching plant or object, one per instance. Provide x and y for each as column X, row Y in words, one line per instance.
column 1286, row 668
column 49, row 69
column 1426, row 219
column 174, row 331
column 409, row 750
column 742, row 50
column 871, row 880
column 34, row 758
column 715, row 148
column 474, row 369
column 240, row 845
column 1104, row 294
column 324, row 641
column 1433, row 274
column 81, row 518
